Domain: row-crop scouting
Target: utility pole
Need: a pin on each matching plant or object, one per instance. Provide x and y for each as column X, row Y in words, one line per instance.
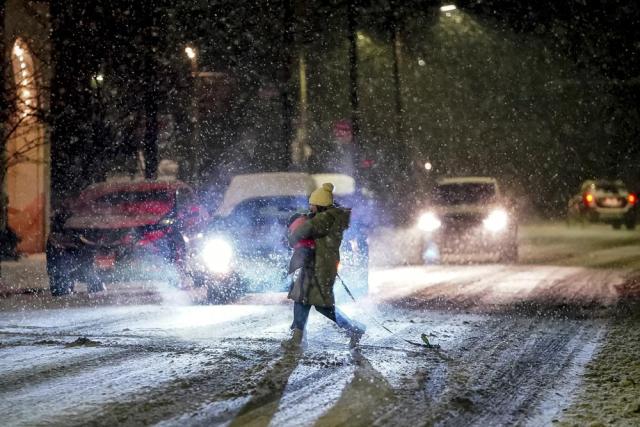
column 401, row 151
column 301, row 141
column 151, row 93
column 397, row 84
column 302, row 133
column 283, row 155
column 352, row 10
column 352, row 13
column 406, row 173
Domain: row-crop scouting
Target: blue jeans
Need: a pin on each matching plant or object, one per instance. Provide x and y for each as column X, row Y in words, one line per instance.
column 301, row 314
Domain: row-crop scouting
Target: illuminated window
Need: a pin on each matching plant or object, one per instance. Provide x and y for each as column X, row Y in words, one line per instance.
column 26, row 95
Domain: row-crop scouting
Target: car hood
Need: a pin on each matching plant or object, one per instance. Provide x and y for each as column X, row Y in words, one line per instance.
column 256, row 240
column 112, row 221
column 474, row 209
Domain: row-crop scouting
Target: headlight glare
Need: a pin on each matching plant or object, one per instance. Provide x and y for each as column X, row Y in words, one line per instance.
column 429, row 222
column 497, row 220
column 217, row 254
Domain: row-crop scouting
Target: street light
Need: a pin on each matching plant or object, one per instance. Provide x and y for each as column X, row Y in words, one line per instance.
column 191, row 52
column 448, row 8
column 196, row 140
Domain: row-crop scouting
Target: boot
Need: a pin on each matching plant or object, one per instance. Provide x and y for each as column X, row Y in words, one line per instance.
column 295, row 342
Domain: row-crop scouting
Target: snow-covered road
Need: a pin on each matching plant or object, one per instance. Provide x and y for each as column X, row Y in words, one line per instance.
column 515, row 340
column 203, row 365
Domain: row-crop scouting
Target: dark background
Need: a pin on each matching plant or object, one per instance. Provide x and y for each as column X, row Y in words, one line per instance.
column 540, row 94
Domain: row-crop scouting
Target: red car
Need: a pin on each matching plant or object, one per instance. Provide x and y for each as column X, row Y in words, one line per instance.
column 120, row 231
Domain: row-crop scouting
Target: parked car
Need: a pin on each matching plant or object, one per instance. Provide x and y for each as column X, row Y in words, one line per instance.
column 603, row 201
column 117, row 231
column 466, row 215
column 245, row 244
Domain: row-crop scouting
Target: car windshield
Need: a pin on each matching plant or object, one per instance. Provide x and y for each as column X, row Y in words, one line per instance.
column 463, row 193
column 129, row 202
column 269, row 211
column 609, row 187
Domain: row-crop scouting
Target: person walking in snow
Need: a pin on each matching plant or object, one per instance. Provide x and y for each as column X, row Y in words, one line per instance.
column 316, row 240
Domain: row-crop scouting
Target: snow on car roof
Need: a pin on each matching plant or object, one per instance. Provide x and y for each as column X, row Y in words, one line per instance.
column 100, row 188
column 269, row 184
column 467, row 180
column 343, row 184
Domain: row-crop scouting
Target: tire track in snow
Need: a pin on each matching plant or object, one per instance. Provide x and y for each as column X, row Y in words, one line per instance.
column 45, row 366
column 503, row 374
column 499, row 287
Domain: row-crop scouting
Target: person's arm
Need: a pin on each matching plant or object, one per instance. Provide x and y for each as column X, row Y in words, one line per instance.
column 315, row 228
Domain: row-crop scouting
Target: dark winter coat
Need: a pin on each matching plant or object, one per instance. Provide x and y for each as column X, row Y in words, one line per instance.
column 313, row 283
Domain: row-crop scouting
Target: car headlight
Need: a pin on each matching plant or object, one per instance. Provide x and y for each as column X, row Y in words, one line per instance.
column 497, row 220
column 429, row 222
column 217, row 254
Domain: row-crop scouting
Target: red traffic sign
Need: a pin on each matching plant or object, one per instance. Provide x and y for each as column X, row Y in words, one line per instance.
column 343, row 130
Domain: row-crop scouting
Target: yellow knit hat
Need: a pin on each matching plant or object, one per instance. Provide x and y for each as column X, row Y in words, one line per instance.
column 322, row 196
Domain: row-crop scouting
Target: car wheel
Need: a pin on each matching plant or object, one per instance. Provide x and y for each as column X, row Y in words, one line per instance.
column 510, row 254
column 180, row 277
column 218, row 295
column 199, row 280
column 430, row 253
column 214, row 296
column 60, row 284
column 617, row 225
column 95, row 284
column 630, row 223
column 61, row 281
column 226, row 291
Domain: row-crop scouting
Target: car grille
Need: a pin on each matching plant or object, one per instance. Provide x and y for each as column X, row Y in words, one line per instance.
column 461, row 221
column 102, row 237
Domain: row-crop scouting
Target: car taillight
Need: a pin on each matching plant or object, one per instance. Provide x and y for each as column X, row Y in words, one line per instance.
column 152, row 236
column 588, row 199
column 632, row 199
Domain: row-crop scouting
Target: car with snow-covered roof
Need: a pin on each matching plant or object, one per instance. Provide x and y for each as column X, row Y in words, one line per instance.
column 467, row 215
column 123, row 230
column 245, row 242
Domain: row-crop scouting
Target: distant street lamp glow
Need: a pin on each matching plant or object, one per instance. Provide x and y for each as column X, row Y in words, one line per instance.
column 448, row 8
column 191, row 52
column 421, row 62
column 100, row 78
column 428, row 166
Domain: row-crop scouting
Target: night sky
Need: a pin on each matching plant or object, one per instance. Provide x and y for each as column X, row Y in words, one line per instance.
column 588, row 49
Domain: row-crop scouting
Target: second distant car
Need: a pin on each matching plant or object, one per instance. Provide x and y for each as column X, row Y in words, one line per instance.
column 468, row 215
column 603, row 201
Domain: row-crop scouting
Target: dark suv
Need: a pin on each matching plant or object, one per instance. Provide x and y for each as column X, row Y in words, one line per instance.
column 466, row 215
column 118, row 231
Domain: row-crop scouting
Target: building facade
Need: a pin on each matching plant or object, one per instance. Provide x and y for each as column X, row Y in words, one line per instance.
column 27, row 155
